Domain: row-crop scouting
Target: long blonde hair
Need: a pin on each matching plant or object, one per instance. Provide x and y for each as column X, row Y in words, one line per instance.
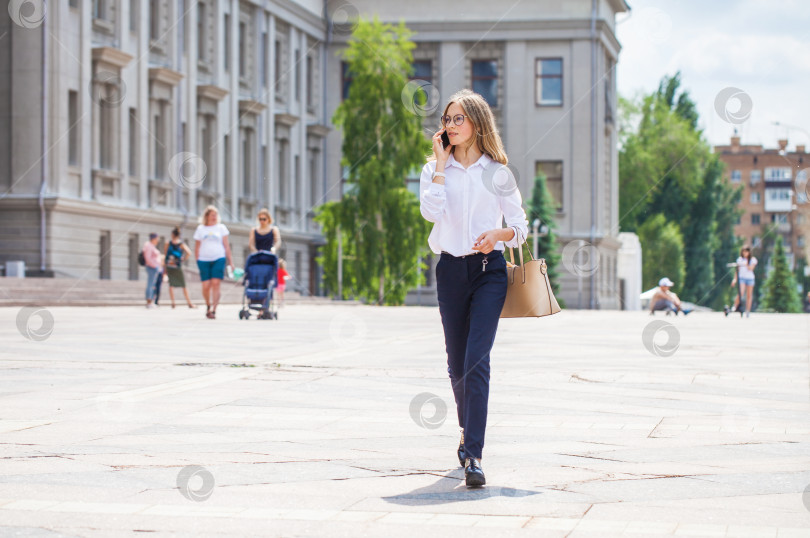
column 486, row 134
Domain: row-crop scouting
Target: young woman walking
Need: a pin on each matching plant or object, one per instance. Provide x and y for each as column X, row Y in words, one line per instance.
column 213, row 252
column 465, row 191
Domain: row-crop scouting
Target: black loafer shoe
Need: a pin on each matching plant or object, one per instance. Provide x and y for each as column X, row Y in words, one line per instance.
column 474, row 473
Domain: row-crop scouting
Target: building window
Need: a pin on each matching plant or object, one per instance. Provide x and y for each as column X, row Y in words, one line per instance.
column 754, row 218
column 548, row 82
column 779, row 218
column 422, row 70
column 485, row 80
column 154, row 19
column 756, row 198
column 756, row 177
column 227, row 161
column 346, row 79
column 310, row 85
column 265, row 56
column 227, row 45
column 100, row 9
column 800, row 241
column 554, row 180
column 133, row 142
column 107, row 130
column 313, row 179
column 73, row 131
column 282, row 172
column 736, row 176
column 105, row 256
column 277, row 67
column 201, row 32
column 247, row 163
column 73, row 3
column 242, row 49
column 134, row 13
column 782, row 173
column 296, row 181
column 297, row 72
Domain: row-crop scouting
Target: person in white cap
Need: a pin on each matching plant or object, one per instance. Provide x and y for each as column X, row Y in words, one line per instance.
column 664, row 299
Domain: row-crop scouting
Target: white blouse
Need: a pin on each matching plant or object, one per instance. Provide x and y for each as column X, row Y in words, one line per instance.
column 471, row 202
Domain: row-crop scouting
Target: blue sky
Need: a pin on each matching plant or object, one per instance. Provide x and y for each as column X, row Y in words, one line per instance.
column 761, row 47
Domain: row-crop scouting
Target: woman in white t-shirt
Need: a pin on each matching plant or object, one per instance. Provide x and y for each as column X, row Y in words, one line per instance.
column 212, row 251
column 745, row 272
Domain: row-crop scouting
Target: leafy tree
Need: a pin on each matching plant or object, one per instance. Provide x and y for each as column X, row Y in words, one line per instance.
column 661, row 252
column 728, row 245
column 383, row 233
column 667, row 168
column 780, row 288
column 541, row 206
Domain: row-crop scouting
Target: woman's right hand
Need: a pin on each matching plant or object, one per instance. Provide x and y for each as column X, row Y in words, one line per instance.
column 442, row 153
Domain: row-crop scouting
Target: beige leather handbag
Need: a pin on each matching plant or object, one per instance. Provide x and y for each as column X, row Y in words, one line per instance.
column 529, row 291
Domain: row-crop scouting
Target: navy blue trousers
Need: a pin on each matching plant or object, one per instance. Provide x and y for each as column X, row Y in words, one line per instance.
column 470, row 302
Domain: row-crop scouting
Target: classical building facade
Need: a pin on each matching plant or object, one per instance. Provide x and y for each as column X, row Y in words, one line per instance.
column 156, row 108
column 774, row 192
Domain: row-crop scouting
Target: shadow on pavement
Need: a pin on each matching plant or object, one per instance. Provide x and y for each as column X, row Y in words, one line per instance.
column 450, row 488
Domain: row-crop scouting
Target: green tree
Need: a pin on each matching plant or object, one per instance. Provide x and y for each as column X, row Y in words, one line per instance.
column 667, row 168
column 382, row 231
column 728, row 245
column 661, row 252
column 541, row 206
column 780, row 287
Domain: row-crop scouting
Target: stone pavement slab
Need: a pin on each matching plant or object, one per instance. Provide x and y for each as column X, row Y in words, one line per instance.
column 338, row 420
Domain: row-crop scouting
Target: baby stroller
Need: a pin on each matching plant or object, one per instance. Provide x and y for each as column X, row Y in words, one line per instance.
column 260, row 280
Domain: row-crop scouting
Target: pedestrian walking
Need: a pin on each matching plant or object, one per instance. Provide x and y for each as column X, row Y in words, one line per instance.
column 465, row 190
column 213, row 253
column 265, row 236
column 154, row 265
column 746, row 264
column 176, row 253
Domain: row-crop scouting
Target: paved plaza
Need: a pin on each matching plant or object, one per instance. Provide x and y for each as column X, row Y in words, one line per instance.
column 338, row 420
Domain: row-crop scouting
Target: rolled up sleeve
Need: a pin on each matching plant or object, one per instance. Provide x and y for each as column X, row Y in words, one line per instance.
column 432, row 196
column 515, row 217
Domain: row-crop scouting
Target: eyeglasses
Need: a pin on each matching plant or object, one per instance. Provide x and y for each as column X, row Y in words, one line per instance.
column 458, row 119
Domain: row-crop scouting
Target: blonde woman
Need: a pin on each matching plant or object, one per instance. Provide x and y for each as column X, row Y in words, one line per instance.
column 465, row 192
column 265, row 236
column 213, row 252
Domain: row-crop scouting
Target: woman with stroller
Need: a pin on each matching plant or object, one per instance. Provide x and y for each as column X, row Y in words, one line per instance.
column 176, row 253
column 213, row 252
column 265, row 236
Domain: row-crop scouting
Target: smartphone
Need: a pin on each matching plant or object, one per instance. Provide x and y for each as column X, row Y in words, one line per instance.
column 445, row 140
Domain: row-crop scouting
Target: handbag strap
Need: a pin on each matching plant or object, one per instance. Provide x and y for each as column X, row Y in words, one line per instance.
column 520, row 252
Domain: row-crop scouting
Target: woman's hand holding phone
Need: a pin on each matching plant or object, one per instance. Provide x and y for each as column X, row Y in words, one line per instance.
column 441, row 151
